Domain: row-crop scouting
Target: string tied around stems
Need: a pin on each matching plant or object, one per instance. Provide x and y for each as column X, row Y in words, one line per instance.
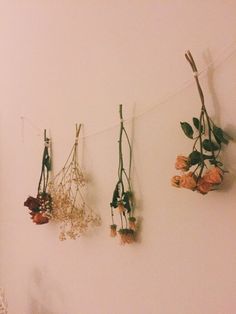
column 77, row 132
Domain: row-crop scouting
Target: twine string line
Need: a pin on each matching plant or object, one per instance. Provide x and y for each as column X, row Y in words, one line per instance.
column 222, row 57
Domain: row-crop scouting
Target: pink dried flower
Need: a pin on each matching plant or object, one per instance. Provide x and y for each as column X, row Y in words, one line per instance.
column 213, row 175
column 175, row 181
column 203, row 186
column 188, row 181
column 182, row 163
column 113, row 232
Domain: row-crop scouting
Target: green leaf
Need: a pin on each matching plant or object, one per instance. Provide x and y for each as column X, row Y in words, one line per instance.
column 219, row 135
column 126, row 199
column 188, row 130
column 195, row 157
column 196, row 123
column 207, row 156
column 47, row 163
column 216, row 162
column 209, row 146
column 115, row 196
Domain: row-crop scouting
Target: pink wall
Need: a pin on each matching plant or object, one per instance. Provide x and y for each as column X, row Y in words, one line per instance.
column 63, row 62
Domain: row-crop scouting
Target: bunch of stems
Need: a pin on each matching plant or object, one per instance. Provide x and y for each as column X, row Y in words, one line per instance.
column 70, row 208
column 122, row 199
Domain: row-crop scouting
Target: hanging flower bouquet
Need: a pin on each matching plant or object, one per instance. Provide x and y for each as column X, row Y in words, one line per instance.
column 207, row 173
column 122, row 199
column 69, row 207
column 40, row 206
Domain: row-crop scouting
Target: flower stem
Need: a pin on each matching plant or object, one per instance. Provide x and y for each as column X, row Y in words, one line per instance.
column 120, row 146
column 203, row 115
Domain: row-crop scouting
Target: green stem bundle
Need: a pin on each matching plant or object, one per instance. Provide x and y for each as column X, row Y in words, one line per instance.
column 122, row 199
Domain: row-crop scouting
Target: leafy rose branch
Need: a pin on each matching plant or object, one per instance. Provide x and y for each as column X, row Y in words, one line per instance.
column 205, row 126
column 122, row 198
column 207, row 147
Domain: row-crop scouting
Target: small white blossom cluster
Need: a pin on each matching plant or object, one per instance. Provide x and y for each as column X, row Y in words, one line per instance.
column 74, row 218
column 69, row 207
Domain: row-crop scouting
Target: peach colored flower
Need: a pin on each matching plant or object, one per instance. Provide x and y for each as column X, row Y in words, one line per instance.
column 127, row 236
column 182, row 163
column 213, row 175
column 203, row 186
column 130, row 238
column 175, row 181
column 123, row 239
column 188, row 181
column 113, row 232
column 132, row 223
column 121, row 207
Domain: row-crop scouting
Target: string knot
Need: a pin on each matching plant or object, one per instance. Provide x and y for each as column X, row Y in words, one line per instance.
column 46, row 143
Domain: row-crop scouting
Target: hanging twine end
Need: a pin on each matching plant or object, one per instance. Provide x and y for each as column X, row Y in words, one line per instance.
column 47, row 143
column 46, row 139
column 77, row 133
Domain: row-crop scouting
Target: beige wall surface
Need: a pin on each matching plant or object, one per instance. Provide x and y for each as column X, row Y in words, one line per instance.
column 65, row 62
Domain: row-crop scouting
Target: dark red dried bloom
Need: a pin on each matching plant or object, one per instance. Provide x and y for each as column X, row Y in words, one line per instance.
column 32, row 203
column 40, row 219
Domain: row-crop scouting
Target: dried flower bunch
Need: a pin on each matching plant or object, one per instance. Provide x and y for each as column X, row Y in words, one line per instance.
column 122, row 199
column 69, row 207
column 207, row 173
column 40, row 206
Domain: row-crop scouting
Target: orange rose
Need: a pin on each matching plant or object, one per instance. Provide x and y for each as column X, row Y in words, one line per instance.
column 175, row 181
column 203, row 186
column 182, row 163
column 213, row 176
column 188, row 181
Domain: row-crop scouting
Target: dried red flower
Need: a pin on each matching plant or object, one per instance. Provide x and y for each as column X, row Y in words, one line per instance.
column 32, row 203
column 40, row 219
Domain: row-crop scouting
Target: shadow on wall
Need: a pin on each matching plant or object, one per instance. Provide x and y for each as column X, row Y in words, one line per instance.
column 229, row 159
column 36, row 308
column 210, row 78
column 138, row 198
column 228, row 155
column 43, row 294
